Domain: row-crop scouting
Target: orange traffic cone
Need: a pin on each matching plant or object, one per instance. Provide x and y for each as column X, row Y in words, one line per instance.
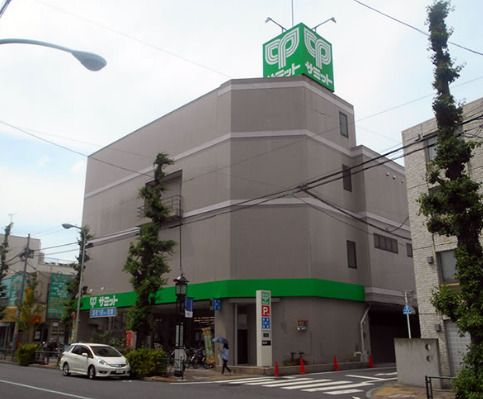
column 275, row 370
column 302, row 366
column 371, row 362
column 335, row 364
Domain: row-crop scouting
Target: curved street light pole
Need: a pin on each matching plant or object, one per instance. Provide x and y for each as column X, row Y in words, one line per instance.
column 75, row 330
column 91, row 61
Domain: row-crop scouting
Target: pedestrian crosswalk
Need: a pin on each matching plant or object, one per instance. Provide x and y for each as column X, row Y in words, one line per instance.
column 347, row 384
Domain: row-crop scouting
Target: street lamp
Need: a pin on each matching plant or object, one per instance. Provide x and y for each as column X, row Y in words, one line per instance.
column 276, row 23
column 323, row 22
column 181, row 287
column 75, row 330
column 91, row 61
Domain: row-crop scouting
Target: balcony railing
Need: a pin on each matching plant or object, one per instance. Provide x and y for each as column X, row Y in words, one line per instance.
column 173, row 203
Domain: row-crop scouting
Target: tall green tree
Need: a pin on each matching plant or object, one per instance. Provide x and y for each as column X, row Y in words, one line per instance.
column 4, row 267
column 70, row 306
column 147, row 259
column 455, row 208
column 31, row 311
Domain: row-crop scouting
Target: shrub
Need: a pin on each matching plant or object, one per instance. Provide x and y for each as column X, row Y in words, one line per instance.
column 147, row 362
column 26, row 354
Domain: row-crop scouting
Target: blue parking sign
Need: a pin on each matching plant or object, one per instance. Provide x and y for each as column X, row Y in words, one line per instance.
column 266, row 323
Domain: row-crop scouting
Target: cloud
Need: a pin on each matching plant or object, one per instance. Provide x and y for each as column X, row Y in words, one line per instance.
column 39, row 200
column 43, row 161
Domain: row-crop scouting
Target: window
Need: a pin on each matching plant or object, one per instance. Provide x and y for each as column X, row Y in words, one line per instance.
column 430, row 145
column 79, row 350
column 447, row 266
column 346, row 178
column 343, row 124
column 385, row 243
column 409, row 250
column 351, row 254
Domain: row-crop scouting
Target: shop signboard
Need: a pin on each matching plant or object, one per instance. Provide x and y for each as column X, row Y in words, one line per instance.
column 299, row 51
column 103, row 312
column 58, row 295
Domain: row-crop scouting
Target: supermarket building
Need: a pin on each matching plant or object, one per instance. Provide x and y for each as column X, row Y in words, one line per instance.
column 337, row 259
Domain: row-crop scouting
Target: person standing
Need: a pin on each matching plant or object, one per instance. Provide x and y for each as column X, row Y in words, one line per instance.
column 225, row 356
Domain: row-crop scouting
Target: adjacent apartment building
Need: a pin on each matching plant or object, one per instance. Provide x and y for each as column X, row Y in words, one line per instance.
column 49, row 296
column 434, row 261
column 337, row 258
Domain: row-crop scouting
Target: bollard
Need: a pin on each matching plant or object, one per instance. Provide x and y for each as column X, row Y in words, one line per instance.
column 302, row 365
column 335, row 364
column 275, row 370
column 371, row 362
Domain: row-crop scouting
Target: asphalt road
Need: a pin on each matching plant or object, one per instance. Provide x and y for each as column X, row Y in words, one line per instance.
column 31, row 382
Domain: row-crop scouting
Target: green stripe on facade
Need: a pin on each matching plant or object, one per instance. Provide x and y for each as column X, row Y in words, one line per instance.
column 304, row 287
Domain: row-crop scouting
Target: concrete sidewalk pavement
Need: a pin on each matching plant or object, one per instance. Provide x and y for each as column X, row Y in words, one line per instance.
column 399, row 391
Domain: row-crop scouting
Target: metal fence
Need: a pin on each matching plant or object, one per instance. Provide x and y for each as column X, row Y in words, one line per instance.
column 428, row 381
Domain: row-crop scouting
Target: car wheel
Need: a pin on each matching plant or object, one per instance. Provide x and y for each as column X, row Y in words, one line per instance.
column 66, row 369
column 91, row 372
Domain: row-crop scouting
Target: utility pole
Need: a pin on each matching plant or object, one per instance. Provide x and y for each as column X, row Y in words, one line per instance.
column 26, row 255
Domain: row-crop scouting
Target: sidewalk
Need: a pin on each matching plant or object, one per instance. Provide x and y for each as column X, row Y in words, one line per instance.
column 398, row 391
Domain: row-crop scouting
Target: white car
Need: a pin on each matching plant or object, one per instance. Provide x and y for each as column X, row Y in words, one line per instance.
column 94, row 360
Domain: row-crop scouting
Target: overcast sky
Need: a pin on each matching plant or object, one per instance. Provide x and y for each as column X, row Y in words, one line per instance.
column 162, row 54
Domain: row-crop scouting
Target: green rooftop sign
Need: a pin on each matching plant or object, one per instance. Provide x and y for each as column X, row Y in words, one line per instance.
column 299, row 51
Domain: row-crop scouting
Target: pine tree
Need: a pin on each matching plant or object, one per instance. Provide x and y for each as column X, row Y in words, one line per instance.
column 146, row 261
column 454, row 207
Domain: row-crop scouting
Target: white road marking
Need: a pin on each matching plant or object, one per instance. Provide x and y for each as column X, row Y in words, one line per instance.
column 361, row 384
column 265, row 381
column 346, row 391
column 320, row 384
column 300, row 381
column 384, row 374
column 260, row 382
column 365, row 377
column 244, row 380
column 45, row 390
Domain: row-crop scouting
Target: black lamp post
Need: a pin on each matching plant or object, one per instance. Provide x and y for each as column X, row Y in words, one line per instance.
column 181, row 287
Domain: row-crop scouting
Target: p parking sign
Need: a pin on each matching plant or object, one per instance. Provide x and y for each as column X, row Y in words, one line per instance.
column 299, row 51
column 264, row 327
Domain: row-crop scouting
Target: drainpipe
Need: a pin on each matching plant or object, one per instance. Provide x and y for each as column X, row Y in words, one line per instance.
column 364, row 356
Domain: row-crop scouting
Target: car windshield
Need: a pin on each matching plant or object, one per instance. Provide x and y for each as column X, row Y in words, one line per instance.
column 105, row 351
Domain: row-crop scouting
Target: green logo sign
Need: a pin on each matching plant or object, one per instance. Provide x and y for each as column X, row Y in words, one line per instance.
column 103, row 301
column 266, row 298
column 299, row 51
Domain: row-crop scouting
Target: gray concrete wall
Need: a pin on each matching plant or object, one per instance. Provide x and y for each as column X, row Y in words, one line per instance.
column 273, row 144
column 333, row 329
column 416, row 358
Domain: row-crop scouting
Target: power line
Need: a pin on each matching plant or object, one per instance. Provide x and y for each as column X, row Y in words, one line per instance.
column 56, row 246
column 319, row 181
column 4, row 7
column 133, row 38
column 72, row 150
column 394, row 107
column 351, row 215
column 413, row 27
